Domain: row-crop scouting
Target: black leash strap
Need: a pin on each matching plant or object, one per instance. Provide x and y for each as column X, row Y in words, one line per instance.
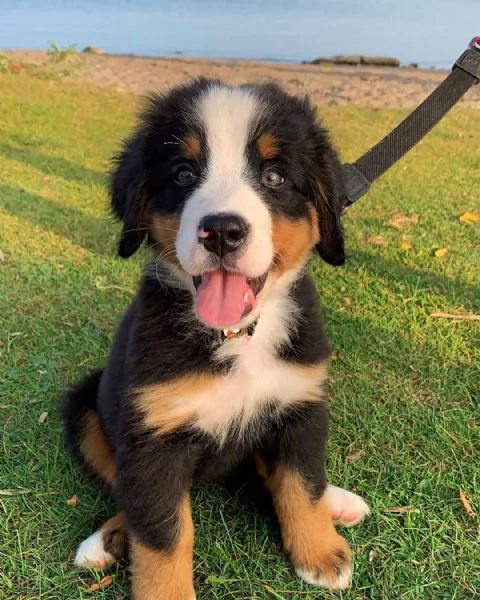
column 365, row 170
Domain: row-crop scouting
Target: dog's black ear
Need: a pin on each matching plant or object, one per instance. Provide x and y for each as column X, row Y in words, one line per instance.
column 328, row 198
column 127, row 196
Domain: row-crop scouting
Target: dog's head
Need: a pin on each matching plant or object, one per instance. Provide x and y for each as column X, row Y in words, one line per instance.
column 233, row 186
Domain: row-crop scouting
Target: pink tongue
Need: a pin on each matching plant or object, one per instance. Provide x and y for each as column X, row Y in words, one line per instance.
column 223, row 298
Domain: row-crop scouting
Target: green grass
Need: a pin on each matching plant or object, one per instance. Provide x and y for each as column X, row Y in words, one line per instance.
column 405, row 391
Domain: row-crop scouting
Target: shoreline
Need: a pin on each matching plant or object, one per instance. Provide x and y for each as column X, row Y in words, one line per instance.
column 179, row 56
column 269, row 61
column 329, row 84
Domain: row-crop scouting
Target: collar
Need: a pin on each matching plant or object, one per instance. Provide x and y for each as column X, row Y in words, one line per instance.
column 231, row 334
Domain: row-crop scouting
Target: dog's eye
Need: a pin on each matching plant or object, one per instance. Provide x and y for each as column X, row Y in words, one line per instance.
column 185, row 176
column 272, row 178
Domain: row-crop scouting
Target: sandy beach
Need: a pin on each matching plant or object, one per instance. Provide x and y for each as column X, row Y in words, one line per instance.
column 326, row 84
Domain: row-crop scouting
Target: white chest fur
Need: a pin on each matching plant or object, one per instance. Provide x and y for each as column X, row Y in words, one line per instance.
column 258, row 378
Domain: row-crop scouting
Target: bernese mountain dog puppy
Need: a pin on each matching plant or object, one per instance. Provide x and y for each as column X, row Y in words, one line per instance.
column 222, row 357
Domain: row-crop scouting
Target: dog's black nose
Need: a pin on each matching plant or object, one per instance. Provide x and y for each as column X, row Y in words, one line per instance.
column 222, row 233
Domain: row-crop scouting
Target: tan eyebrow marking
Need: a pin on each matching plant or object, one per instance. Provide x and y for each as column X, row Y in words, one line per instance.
column 267, row 145
column 191, row 148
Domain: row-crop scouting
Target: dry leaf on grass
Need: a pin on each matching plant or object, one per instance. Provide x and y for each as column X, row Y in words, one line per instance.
column 347, row 302
column 42, row 418
column 441, row 252
column 73, row 501
column 354, row 456
column 442, row 315
column 400, row 222
column 101, row 585
column 469, row 217
column 335, row 356
column 17, row 492
column 66, row 323
column 406, row 246
column 376, row 240
column 467, row 507
column 398, row 510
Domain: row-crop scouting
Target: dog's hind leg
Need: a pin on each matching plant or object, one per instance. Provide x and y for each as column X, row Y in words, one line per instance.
column 87, row 441
column 347, row 508
column 106, row 546
column 84, row 434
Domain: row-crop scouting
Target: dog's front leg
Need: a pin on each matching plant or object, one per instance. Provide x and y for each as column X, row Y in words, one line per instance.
column 293, row 468
column 155, row 482
column 165, row 571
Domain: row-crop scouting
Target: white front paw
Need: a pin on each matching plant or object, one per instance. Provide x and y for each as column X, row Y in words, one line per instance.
column 340, row 582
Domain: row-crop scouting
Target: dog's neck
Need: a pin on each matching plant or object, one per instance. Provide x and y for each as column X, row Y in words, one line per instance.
column 269, row 324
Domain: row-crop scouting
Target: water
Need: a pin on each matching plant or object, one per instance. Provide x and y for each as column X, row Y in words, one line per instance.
column 430, row 32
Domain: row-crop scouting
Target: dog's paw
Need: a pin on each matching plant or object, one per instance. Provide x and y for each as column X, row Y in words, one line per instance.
column 331, row 567
column 91, row 553
column 347, row 508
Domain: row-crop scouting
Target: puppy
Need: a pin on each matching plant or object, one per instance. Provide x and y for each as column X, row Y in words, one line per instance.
column 221, row 357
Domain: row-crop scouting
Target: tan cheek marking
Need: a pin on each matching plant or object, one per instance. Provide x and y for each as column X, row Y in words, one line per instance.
column 164, row 231
column 165, row 407
column 96, row 449
column 293, row 241
column 308, row 532
column 165, row 575
column 191, row 147
column 267, row 145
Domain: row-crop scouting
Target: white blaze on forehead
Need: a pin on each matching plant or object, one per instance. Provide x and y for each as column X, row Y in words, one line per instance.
column 228, row 117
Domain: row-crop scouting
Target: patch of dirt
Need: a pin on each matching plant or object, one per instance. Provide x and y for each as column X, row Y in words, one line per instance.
column 326, row 84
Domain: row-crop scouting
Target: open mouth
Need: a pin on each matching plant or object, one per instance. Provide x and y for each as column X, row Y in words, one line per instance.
column 225, row 297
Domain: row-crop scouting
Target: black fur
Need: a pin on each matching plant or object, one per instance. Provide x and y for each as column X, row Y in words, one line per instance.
column 160, row 340
column 142, row 179
column 311, row 164
column 154, row 345
column 298, row 443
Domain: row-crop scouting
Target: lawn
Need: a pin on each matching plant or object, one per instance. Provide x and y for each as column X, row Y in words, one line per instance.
column 405, row 393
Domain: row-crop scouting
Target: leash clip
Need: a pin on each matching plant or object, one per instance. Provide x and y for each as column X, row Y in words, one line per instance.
column 475, row 43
